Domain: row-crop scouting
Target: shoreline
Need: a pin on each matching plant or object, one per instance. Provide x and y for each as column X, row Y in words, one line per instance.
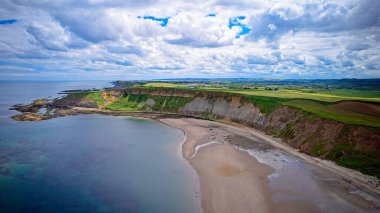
column 213, row 201
column 197, row 186
column 225, row 175
column 214, row 197
column 354, row 176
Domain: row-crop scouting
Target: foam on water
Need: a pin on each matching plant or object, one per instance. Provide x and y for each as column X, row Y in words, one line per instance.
column 203, row 145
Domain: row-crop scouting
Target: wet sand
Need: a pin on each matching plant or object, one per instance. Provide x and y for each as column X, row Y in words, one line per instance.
column 232, row 180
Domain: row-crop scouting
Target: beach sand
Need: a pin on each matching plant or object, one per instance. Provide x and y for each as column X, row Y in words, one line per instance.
column 231, row 180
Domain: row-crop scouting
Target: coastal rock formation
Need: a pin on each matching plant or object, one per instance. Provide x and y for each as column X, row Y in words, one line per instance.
column 74, row 99
column 111, row 95
column 28, row 116
column 234, row 109
column 33, row 107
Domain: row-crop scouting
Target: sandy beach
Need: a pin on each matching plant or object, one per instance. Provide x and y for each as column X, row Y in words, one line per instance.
column 232, row 180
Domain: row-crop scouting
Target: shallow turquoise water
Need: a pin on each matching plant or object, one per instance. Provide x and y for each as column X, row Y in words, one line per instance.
column 93, row 163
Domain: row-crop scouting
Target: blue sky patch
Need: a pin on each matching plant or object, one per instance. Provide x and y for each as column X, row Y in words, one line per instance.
column 236, row 21
column 164, row 21
column 8, row 21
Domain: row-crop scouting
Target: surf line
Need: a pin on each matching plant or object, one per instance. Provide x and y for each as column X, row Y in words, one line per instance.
column 203, row 145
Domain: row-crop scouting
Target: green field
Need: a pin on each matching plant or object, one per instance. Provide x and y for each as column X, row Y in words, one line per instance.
column 326, row 111
column 93, row 96
column 170, row 85
column 135, row 102
column 127, row 103
column 97, row 97
column 316, row 101
column 318, row 95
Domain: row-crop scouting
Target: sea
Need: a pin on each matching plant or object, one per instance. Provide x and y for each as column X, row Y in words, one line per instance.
column 89, row 163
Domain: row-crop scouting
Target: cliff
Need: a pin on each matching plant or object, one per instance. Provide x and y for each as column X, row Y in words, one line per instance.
column 352, row 146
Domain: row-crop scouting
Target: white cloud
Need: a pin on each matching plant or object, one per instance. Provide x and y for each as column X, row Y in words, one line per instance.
column 287, row 10
column 105, row 39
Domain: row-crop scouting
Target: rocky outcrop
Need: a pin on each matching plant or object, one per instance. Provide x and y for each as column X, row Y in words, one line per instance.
column 33, row 107
column 112, row 95
column 28, row 116
column 235, row 108
column 149, row 103
column 74, row 99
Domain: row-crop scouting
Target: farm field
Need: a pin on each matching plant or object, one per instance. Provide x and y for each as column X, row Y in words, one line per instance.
column 321, row 95
column 331, row 112
column 330, row 104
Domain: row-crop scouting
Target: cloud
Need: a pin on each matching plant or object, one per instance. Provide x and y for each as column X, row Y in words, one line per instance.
column 357, row 46
column 286, row 11
column 266, row 60
column 52, row 36
column 216, row 38
column 315, row 16
column 124, row 49
column 196, row 30
column 123, row 63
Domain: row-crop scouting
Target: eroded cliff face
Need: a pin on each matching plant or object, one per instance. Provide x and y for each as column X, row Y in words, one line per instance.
column 318, row 136
column 233, row 108
column 297, row 128
column 112, row 95
column 349, row 145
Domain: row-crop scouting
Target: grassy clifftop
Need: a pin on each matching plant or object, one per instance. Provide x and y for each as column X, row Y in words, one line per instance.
column 323, row 104
column 333, row 95
column 126, row 102
column 148, row 102
column 349, row 112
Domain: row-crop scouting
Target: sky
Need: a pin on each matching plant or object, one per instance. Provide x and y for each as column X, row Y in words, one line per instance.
column 148, row 39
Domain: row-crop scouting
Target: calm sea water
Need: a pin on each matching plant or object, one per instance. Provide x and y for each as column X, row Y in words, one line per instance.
column 89, row 163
